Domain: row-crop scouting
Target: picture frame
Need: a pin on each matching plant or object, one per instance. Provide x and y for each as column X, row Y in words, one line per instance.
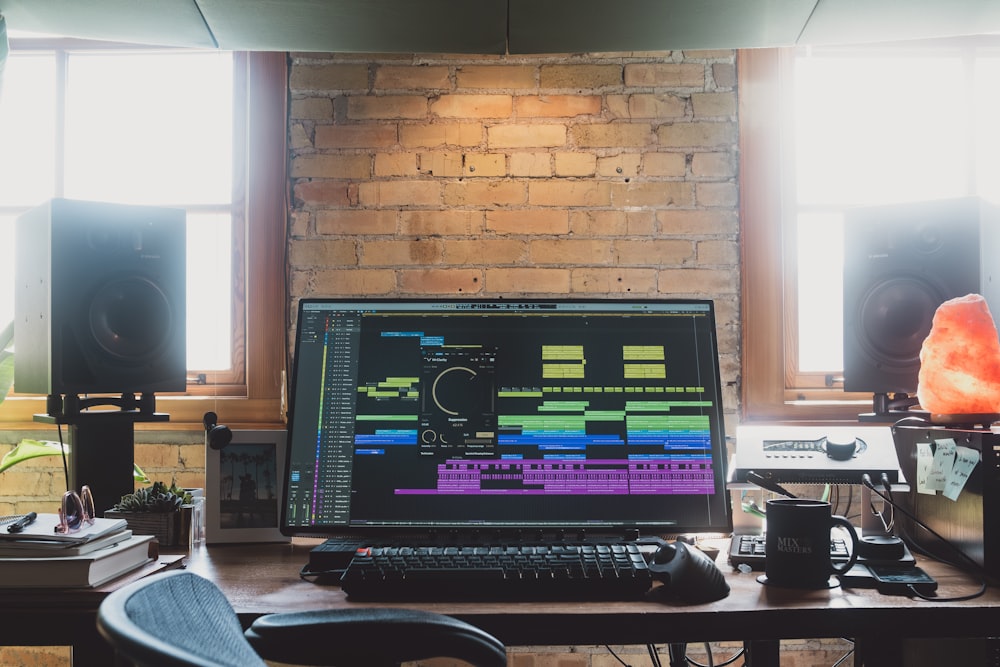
column 243, row 487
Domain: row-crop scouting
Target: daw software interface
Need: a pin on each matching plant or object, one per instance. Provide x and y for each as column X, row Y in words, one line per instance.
column 496, row 414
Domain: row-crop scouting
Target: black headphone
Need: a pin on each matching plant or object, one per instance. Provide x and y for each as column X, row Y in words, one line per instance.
column 217, row 435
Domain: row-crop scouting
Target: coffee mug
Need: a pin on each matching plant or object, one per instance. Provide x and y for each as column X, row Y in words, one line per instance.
column 797, row 543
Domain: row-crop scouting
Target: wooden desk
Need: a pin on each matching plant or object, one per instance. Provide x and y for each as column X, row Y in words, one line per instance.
column 263, row 579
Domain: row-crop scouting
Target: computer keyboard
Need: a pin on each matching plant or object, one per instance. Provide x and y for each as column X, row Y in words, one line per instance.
column 749, row 550
column 573, row 572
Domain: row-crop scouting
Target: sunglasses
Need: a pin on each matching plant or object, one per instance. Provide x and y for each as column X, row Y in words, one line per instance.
column 76, row 511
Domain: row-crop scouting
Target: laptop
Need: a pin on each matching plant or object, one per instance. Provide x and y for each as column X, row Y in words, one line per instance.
column 504, row 420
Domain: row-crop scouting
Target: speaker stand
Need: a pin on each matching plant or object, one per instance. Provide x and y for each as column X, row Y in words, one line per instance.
column 891, row 410
column 102, row 443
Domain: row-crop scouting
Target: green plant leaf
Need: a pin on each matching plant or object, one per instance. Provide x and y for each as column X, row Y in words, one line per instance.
column 138, row 475
column 30, row 449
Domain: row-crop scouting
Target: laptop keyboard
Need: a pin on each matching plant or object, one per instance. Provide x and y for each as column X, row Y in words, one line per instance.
column 565, row 571
column 749, row 550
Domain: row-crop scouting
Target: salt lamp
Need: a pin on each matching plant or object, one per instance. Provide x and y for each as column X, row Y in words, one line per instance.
column 960, row 360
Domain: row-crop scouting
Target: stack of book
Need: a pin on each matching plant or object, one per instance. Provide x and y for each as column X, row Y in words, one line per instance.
column 39, row 557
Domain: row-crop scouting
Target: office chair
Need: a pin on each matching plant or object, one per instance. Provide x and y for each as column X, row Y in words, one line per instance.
column 179, row 619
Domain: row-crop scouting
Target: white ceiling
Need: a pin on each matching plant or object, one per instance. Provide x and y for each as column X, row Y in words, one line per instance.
column 500, row 26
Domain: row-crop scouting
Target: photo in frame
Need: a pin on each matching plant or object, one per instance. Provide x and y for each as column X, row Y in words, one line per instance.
column 243, row 488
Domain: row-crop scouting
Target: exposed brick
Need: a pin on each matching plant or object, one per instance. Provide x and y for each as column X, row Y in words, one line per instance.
column 664, row 164
column 713, row 104
column 653, row 193
column 569, row 193
column 526, row 136
column 442, row 281
column 299, row 137
column 662, row 105
column 532, row 165
column 345, row 221
column 615, row 134
column 472, row 106
column 311, row 108
column 598, row 223
column 400, row 253
column 323, row 252
column 352, row 282
column 575, row 164
column 399, row 193
column 368, row 107
column 449, row 222
column 653, row 252
column 718, row 251
column 613, row 280
column 570, row 251
column 580, row 77
column 713, row 165
column 483, row 165
column 497, row 77
column 440, row 134
column 322, row 193
column 698, row 281
column 485, row 193
column 665, row 75
column 528, row 221
column 698, row 222
column 625, row 165
column 485, row 252
column 395, row 164
column 724, row 75
column 717, row 194
column 696, row 134
column 527, row 281
column 355, row 136
column 441, row 163
column 328, row 77
column 556, row 106
column 331, row 166
column 412, row 77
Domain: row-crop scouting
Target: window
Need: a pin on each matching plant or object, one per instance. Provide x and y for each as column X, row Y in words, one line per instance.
column 166, row 127
column 823, row 130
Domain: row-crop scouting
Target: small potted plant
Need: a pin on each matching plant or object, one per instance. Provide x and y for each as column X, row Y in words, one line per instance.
column 156, row 510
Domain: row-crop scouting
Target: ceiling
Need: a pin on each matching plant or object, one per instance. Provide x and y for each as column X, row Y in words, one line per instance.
column 500, row 26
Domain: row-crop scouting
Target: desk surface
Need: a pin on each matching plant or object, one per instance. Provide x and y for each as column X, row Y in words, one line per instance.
column 261, row 579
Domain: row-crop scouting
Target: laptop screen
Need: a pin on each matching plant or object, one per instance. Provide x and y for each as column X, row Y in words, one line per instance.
column 564, row 415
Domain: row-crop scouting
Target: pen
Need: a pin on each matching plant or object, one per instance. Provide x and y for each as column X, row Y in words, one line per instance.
column 22, row 523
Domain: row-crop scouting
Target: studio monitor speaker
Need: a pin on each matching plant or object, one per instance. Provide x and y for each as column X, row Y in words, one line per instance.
column 900, row 263
column 100, row 299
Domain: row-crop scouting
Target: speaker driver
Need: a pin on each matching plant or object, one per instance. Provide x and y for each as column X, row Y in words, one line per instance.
column 894, row 319
column 131, row 319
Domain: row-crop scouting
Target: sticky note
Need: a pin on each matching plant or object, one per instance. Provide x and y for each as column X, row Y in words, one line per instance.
column 944, row 458
column 966, row 460
column 925, row 459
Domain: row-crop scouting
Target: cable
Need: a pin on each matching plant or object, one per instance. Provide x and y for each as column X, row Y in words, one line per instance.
column 615, row 656
column 971, row 563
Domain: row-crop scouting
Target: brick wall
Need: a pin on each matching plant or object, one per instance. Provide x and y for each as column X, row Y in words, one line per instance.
column 543, row 176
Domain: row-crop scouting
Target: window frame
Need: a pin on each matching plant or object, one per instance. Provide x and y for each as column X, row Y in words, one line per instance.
column 773, row 389
column 254, row 393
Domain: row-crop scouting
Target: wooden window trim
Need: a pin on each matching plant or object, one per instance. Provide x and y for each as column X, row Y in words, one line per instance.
column 765, row 249
column 260, row 401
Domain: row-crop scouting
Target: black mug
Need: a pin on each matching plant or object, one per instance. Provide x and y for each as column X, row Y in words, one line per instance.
column 797, row 543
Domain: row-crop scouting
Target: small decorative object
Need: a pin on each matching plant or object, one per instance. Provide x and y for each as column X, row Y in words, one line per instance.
column 960, row 360
column 243, row 488
column 156, row 510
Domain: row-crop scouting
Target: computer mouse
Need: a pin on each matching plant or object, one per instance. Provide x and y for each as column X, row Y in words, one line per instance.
column 687, row 573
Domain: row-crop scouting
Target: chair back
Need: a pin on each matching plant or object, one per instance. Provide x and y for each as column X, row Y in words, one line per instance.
column 175, row 619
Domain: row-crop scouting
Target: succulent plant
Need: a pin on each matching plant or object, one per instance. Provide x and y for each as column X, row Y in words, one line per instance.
column 157, row 498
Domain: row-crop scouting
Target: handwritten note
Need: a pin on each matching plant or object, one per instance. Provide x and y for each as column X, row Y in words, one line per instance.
column 944, row 459
column 966, row 459
column 925, row 459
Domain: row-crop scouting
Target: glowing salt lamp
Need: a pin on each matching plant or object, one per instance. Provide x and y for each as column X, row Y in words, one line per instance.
column 960, row 360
